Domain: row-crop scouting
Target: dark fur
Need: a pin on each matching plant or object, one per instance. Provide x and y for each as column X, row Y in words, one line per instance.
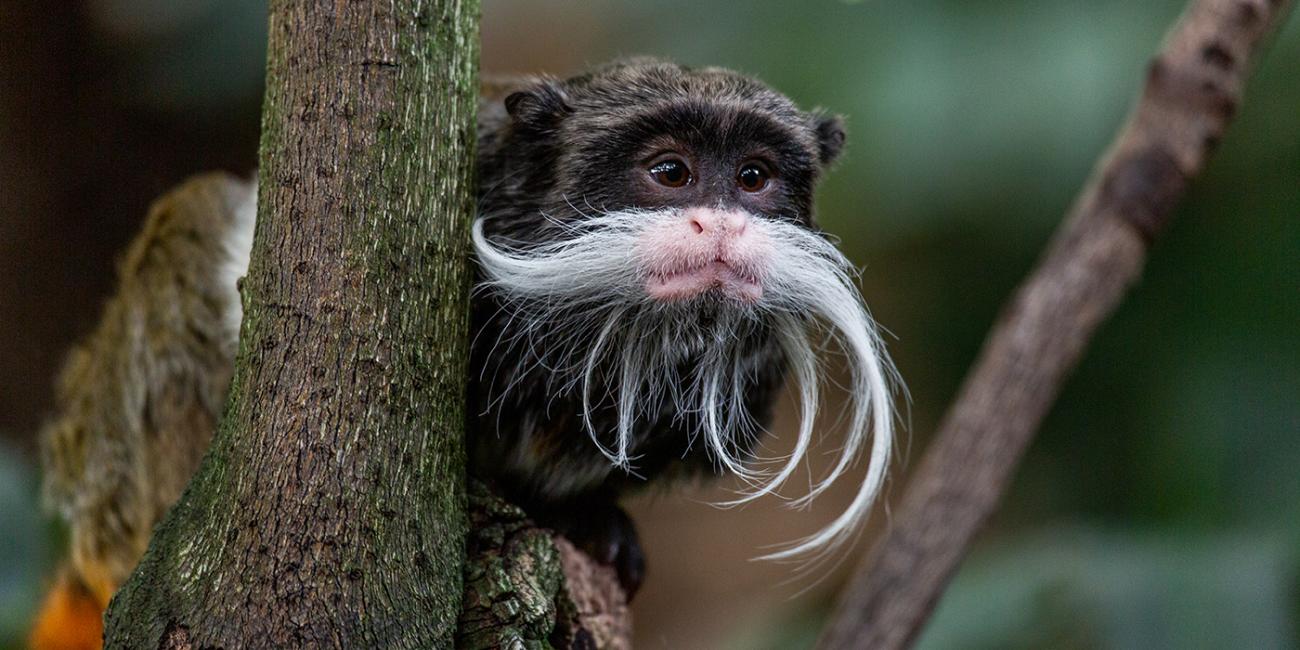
column 553, row 151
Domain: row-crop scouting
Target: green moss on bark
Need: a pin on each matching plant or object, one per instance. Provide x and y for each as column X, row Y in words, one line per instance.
column 330, row 510
column 514, row 584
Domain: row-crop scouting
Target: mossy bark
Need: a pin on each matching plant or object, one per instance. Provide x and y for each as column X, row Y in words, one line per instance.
column 330, row 509
column 529, row 589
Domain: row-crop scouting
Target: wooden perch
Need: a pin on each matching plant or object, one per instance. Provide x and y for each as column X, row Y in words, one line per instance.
column 526, row 587
column 1192, row 91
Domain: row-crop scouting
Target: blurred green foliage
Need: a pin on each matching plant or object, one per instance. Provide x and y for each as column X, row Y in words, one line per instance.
column 25, row 550
column 1160, row 506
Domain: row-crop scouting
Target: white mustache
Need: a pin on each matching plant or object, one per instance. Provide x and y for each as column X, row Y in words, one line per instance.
column 588, row 288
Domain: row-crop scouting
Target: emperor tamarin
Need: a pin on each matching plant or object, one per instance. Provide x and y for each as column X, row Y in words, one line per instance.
column 649, row 276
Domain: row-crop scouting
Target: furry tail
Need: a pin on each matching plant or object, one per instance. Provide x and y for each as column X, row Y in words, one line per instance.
column 71, row 618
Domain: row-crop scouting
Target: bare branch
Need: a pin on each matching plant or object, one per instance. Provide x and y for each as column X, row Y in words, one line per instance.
column 1192, row 91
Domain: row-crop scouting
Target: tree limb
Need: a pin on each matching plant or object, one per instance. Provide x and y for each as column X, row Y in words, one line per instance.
column 526, row 587
column 1192, row 91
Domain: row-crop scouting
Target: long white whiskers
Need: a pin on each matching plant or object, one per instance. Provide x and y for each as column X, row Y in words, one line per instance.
column 583, row 295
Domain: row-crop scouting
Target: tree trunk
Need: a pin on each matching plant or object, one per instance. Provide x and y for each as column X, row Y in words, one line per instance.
column 330, row 509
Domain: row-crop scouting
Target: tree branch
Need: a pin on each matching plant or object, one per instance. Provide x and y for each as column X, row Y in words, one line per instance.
column 1192, row 91
column 526, row 587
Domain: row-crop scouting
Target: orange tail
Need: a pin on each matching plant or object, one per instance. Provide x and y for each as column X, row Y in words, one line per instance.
column 71, row 618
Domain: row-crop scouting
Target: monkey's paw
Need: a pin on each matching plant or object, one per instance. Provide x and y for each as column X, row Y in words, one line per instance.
column 604, row 531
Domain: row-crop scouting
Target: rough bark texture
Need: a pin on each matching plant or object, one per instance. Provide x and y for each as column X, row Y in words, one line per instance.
column 1192, row 90
column 330, row 510
column 526, row 588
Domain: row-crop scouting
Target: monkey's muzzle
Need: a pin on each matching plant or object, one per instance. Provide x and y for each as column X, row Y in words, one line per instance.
column 700, row 250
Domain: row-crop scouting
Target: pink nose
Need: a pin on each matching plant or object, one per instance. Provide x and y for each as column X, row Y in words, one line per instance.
column 702, row 249
column 712, row 223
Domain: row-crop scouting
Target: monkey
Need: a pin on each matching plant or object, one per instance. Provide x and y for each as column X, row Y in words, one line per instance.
column 649, row 278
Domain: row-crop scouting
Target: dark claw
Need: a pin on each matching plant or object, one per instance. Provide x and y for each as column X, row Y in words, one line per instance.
column 603, row 531
column 626, row 556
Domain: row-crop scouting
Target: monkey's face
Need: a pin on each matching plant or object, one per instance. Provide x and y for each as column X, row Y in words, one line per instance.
column 704, row 155
column 660, row 231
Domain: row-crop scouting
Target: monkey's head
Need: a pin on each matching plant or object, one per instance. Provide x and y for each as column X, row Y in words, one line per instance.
column 647, row 135
column 649, row 226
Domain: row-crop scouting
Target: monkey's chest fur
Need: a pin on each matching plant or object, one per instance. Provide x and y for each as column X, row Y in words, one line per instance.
column 527, row 433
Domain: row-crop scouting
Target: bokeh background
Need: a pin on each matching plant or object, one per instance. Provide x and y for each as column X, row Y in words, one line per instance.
column 1159, row 507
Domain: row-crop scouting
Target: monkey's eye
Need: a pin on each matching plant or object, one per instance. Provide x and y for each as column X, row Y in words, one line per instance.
column 752, row 177
column 671, row 172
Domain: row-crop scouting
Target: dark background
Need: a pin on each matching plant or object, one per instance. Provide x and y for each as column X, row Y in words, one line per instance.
column 1160, row 506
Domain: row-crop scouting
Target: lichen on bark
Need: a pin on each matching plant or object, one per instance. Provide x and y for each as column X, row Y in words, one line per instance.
column 529, row 589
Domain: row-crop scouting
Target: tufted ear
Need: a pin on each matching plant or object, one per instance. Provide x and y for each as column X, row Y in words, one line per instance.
column 830, row 136
column 541, row 105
